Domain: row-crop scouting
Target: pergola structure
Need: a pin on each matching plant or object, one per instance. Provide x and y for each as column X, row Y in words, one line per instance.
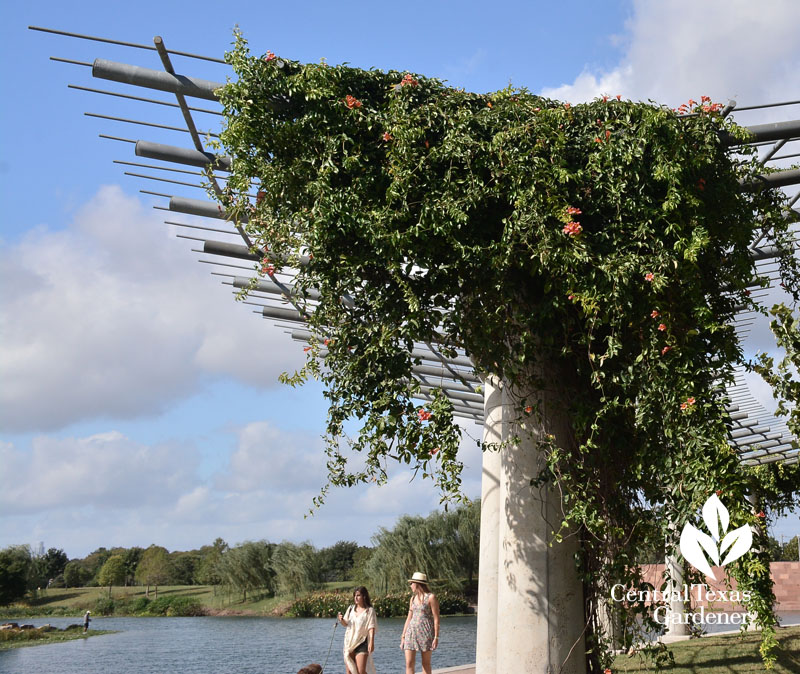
column 530, row 605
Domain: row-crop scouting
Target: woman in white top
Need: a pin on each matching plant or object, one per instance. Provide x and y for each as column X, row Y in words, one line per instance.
column 359, row 639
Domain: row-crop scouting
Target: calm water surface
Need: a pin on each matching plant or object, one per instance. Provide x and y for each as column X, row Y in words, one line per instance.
column 223, row 645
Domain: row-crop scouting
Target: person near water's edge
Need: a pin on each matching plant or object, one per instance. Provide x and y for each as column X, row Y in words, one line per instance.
column 421, row 631
column 86, row 621
column 359, row 639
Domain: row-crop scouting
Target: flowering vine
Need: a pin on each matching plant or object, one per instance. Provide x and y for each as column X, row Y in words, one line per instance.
column 539, row 236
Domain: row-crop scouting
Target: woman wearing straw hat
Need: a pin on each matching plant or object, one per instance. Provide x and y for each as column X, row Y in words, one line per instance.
column 421, row 631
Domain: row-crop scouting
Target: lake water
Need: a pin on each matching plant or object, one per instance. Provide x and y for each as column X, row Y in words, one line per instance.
column 243, row 645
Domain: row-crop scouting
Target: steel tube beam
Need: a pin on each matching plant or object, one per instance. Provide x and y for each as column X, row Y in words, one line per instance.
column 761, row 133
column 229, row 250
column 182, row 155
column 777, row 179
column 155, row 79
column 205, row 209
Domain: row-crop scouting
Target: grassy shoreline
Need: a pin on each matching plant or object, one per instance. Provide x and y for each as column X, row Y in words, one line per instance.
column 44, row 634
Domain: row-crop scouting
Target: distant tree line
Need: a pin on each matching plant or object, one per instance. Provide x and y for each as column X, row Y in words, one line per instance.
column 444, row 545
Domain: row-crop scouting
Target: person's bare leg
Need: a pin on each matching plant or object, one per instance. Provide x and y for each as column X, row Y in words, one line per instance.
column 411, row 656
column 426, row 661
column 361, row 663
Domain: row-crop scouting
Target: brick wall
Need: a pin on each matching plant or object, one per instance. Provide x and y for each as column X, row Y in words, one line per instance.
column 785, row 575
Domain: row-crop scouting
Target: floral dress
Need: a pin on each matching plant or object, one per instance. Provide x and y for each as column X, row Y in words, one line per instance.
column 419, row 633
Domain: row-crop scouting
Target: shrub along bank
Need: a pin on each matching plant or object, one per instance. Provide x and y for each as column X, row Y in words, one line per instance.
column 328, row 604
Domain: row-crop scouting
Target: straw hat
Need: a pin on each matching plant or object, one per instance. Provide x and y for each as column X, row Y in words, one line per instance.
column 418, row 577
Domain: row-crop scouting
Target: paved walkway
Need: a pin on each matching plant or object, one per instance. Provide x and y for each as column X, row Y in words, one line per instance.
column 461, row 669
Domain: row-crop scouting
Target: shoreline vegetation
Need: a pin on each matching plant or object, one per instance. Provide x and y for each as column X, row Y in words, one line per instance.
column 13, row 635
column 206, row 600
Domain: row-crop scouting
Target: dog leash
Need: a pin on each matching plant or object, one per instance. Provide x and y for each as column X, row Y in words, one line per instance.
column 333, row 634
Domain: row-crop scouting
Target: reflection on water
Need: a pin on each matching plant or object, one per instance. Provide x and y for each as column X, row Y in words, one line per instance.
column 241, row 645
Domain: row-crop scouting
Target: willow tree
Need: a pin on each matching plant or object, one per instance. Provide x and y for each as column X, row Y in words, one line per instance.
column 599, row 250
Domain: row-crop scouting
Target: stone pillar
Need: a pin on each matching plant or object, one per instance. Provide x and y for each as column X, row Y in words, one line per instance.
column 673, row 568
column 486, row 649
column 540, row 618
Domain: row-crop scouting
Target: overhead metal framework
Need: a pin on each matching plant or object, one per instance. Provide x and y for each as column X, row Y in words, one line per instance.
column 226, row 246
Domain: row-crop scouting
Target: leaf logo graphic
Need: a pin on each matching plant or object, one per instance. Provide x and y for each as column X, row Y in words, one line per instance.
column 696, row 544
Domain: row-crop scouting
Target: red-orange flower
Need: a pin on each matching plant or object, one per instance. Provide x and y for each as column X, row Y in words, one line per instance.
column 408, row 81
column 661, row 327
column 761, row 514
column 423, row 415
column 270, row 56
column 528, row 409
column 666, row 350
column 608, row 134
column 571, row 210
column 572, row 228
column 654, row 314
column 387, row 136
column 352, row 102
column 649, row 276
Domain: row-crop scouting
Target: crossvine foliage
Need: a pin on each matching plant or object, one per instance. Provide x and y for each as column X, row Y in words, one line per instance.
column 596, row 250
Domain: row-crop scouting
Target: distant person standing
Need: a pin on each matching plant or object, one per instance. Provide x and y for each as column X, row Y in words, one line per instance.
column 421, row 631
column 359, row 639
column 86, row 621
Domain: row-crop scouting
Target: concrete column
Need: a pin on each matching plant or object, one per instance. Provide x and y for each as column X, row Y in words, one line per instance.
column 674, row 571
column 540, row 597
column 486, row 649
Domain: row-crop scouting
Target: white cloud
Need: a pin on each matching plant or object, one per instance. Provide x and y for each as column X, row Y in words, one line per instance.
column 106, row 470
column 725, row 49
column 269, row 458
column 110, row 318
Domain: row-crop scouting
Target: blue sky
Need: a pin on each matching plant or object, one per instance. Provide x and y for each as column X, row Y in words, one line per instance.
column 139, row 403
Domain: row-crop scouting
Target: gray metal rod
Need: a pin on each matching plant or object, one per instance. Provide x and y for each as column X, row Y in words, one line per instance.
column 265, row 286
column 140, row 98
column 761, row 133
column 234, row 250
column 777, row 179
column 156, row 79
column 182, row 155
column 205, row 209
column 125, row 44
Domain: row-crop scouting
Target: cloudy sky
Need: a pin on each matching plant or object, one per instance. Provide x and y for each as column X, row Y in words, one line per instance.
column 139, row 402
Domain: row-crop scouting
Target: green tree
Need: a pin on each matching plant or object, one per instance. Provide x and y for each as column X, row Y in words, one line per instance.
column 248, row 568
column 15, row 562
column 336, row 561
column 153, row 568
column 208, row 571
column 358, row 573
column 93, row 562
column 75, row 574
column 54, row 562
column 295, row 568
column 132, row 557
column 183, row 565
column 790, row 551
column 112, row 572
